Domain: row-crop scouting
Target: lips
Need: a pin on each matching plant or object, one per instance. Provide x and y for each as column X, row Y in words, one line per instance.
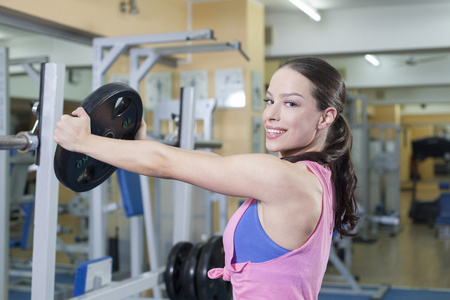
column 273, row 133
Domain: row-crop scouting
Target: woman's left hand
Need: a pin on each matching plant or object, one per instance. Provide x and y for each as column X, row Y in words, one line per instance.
column 141, row 134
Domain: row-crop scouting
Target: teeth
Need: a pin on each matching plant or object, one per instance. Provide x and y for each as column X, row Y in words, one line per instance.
column 273, row 131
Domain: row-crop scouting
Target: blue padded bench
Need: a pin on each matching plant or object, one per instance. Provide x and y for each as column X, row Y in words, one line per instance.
column 130, row 189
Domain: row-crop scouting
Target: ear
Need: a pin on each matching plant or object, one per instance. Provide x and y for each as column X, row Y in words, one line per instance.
column 327, row 118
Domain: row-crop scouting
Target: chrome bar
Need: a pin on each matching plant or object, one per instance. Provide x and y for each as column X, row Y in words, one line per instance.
column 13, row 142
column 24, row 141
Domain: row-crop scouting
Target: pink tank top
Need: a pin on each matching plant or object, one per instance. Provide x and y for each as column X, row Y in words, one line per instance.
column 294, row 275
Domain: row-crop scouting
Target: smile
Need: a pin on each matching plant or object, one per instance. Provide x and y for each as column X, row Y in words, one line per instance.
column 275, row 131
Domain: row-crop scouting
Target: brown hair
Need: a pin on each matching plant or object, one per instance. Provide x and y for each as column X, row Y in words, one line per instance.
column 329, row 91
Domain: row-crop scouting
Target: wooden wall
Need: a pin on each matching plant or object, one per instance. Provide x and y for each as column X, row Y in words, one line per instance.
column 104, row 17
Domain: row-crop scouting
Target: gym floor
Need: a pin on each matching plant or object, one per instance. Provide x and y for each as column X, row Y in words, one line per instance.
column 413, row 258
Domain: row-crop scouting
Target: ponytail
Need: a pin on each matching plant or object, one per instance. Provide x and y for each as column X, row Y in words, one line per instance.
column 337, row 157
column 339, row 148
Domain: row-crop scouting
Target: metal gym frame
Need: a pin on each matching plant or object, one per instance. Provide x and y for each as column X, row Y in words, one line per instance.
column 47, row 186
column 164, row 111
column 4, row 173
column 386, row 170
column 47, row 189
column 154, row 278
column 26, row 64
column 106, row 52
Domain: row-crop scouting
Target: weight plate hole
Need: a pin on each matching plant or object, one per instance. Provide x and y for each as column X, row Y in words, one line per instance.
column 121, row 105
column 86, row 176
column 109, row 134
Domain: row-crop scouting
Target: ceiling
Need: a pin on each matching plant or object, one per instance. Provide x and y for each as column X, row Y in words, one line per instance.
column 400, row 63
column 275, row 6
column 324, row 5
column 395, row 59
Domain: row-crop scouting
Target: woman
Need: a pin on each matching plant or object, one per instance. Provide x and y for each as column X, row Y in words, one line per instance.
column 276, row 247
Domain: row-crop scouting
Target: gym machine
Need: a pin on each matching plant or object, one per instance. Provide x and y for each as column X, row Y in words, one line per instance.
column 12, row 190
column 52, row 82
column 102, row 62
column 169, row 111
column 79, row 180
column 4, row 173
column 141, row 61
column 47, row 186
column 429, row 211
column 76, row 171
column 384, row 152
column 27, row 65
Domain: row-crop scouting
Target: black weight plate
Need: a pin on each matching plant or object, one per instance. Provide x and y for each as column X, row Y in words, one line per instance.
column 189, row 271
column 212, row 256
column 173, row 273
column 115, row 110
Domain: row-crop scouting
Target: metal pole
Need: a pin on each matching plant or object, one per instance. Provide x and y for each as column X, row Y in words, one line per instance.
column 183, row 191
column 136, row 222
column 127, row 288
column 24, row 141
column 12, row 142
column 4, row 175
column 97, row 218
column 47, row 186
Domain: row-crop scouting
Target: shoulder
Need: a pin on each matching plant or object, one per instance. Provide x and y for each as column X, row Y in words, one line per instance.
column 293, row 181
column 309, row 172
column 278, row 180
column 318, row 169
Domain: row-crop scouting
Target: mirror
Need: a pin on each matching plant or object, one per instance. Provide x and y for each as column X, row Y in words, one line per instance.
column 26, row 51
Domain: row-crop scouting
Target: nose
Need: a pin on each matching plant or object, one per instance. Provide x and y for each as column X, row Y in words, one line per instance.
column 271, row 113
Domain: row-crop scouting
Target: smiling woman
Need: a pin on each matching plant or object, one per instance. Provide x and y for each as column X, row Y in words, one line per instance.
column 293, row 117
column 279, row 240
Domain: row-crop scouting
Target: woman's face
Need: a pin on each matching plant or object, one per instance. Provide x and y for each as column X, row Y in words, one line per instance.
column 291, row 118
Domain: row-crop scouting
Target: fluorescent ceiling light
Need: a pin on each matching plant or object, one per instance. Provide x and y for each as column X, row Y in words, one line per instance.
column 372, row 59
column 307, row 9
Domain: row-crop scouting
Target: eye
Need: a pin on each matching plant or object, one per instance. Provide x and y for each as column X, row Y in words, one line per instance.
column 290, row 103
column 268, row 101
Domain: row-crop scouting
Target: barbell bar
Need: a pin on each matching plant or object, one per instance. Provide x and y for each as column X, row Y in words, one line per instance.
column 24, row 141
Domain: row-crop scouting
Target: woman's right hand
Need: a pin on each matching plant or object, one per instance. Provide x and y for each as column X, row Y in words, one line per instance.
column 72, row 132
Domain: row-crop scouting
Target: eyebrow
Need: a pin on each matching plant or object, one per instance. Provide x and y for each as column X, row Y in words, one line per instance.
column 286, row 94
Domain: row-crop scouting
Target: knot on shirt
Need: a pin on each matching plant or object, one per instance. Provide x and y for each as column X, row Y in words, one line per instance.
column 219, row 272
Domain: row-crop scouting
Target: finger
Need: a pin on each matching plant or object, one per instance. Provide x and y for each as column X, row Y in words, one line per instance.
column 142, row 131
column 79, row 112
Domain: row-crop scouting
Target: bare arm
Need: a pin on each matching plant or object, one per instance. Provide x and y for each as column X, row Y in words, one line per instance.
column 259, row 176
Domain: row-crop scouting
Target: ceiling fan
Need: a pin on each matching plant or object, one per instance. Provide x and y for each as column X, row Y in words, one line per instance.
column 413, row 60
